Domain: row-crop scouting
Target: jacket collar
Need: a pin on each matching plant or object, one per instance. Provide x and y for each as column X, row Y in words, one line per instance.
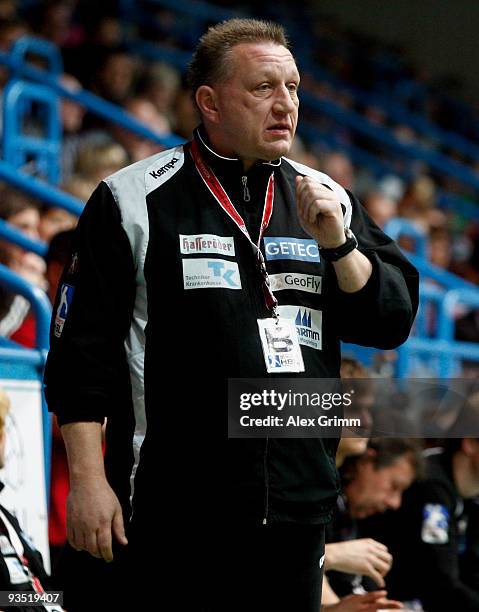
column 220, row 162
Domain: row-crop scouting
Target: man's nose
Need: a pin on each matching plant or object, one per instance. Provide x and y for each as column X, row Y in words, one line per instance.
column 283, row 101
column 394, row 501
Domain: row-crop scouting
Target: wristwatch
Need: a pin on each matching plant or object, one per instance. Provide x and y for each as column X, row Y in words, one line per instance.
column 342, row 250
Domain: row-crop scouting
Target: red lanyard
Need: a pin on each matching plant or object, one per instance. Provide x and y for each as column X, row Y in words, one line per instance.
column 220, row 195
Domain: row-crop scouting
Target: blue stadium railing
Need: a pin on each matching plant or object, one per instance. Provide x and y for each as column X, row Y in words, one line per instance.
column 431, row 349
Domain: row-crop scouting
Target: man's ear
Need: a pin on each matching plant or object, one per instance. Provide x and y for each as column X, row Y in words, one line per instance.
column 206, row 100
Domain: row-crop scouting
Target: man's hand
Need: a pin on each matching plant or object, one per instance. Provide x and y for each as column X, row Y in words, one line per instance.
column 368, row 602
column 93, row 515
column 93, row 510
column 365, row 557
column 320, row 213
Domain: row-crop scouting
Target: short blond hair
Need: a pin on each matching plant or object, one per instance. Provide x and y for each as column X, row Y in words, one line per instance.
column 209, row 64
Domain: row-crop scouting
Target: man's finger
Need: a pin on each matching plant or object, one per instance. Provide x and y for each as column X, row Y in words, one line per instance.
column 382, row 566
column 91, row 544
column 118, row 528
column 390, row 604
column 104, row 543
column 375, row 575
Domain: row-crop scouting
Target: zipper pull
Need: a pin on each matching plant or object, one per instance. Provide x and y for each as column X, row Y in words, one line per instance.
column 246, row 196
column 265, row 521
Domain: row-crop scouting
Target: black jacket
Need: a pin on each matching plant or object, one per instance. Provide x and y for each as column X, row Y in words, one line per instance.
column 434, row 540
column 129, row 315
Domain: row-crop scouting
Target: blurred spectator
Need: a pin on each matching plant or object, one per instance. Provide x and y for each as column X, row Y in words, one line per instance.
column 10, row 31
column 96, row 162
column 72, row 120
column 339, row 167
column 300, row 154
column 114, row 77
column 80, row 187
column 419, row 204
column 16, row 321
column 440, row 247
column 136, row 146
column 54, row 21
column 8, row 9
column 186, row 115
column 380, row 208
column 54, row 220
column 160, row 85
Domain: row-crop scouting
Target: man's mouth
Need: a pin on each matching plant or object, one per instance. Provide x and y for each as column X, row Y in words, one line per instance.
column 279, row 128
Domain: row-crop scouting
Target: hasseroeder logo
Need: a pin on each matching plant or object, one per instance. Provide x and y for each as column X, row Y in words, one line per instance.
column 301, row 282
column 300, row 249
column 210, row 274
column 207, row 243
column 308, row 324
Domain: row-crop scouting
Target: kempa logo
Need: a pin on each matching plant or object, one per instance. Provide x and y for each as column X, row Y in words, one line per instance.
column 308, row 324
column 301, row 282
column 161, row 171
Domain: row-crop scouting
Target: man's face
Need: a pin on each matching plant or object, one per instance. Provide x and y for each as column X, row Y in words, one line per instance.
column 258, row 104
column 379, row 490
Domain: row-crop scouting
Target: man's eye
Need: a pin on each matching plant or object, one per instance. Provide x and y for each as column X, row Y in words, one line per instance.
column 293, row 88
column 263, row 87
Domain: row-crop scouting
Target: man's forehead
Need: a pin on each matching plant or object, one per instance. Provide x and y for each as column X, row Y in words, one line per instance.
column 263, row 53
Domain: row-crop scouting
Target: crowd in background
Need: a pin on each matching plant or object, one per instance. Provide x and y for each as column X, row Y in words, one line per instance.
column 92, row 42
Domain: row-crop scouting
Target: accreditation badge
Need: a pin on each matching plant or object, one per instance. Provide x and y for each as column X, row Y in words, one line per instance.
column 280, row 343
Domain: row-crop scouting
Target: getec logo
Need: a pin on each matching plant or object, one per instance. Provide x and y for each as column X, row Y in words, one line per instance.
column 308, row 324
column 282, row 247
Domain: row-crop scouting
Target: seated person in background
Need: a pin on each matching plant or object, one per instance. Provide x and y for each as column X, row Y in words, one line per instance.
column 372, row 483
column 356, row 556
column 434, row 538
column 21, row 565
column 16, row 320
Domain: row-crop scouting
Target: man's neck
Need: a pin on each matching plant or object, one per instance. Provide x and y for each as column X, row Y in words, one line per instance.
column 220, row 148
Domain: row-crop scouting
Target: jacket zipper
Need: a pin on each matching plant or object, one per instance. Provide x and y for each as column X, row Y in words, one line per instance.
column 246, row 195
column 266, row 483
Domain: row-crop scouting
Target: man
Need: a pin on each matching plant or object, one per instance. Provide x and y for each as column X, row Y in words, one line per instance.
column 436, row 558
column 171, row 281
column 372, row 483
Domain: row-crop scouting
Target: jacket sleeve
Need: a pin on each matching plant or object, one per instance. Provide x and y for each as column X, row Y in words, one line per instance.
column 437, row 551
column 380, row 314
column 469, row 562
column 86, row 372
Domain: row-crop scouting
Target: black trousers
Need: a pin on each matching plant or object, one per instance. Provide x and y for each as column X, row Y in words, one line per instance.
column 257, row 568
